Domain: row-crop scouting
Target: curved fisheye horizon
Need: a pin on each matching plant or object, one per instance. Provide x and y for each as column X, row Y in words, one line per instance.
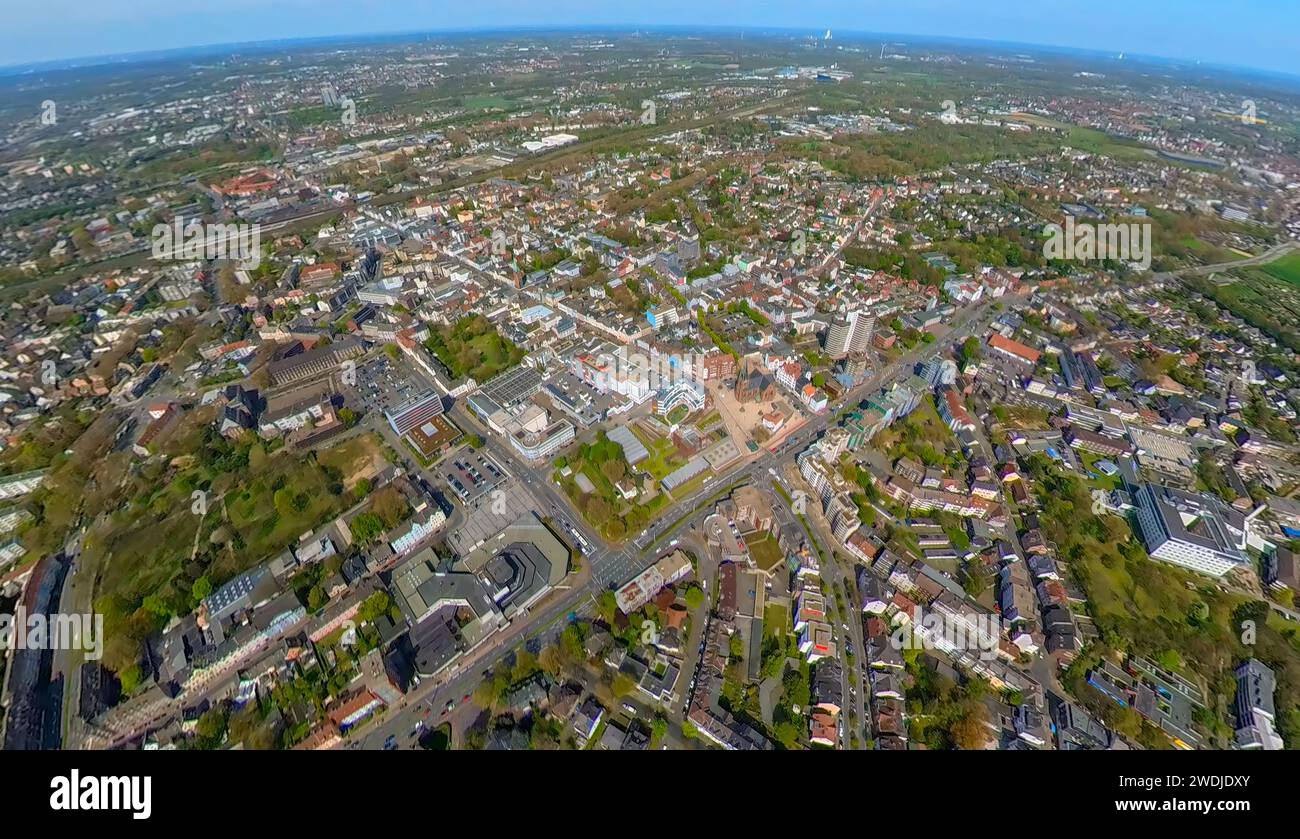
column 902, row 378
column 1255, row 37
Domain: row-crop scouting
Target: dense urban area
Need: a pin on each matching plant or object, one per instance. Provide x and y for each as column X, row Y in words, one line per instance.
column 642, row 390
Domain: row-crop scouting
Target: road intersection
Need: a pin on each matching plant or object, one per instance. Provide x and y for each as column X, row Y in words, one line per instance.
column 608, row 566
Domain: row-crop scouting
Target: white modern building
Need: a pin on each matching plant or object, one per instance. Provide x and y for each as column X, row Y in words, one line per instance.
column 1254, row 707
column 850, row 335
column 690, row 394
column 1198, row 532
column 13, row 486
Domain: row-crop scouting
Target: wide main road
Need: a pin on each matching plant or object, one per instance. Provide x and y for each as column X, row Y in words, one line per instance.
column 613, row 565
column 1269, row 255
column 967, row 322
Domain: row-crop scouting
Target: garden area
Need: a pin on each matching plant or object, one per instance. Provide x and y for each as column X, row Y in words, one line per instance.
column 678, row 415
column 385, row 510
column 779, row 658
column 1266, row 297
column 942, row 714
column 601, row 465
column 922, row 436
column 764, row 550
column 474, row 348
column 664, row 457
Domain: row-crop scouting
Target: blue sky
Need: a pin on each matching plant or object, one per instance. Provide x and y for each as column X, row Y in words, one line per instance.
column 1249, row 33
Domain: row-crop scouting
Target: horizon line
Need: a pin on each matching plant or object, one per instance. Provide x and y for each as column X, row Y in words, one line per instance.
column 144, row 56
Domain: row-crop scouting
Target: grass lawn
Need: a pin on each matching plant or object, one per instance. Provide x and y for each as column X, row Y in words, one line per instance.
column 1287, row 268
column 1094, row 476
column 765, row 551
column 1089, row 139
column 157, row 550
column 1098, row 142
column 678, row 414
column 776, row 621
column 951, row 567
column 1196, row 246
column 1112, row 591
column 663, row 457
column 352, row 456
column 710, row 419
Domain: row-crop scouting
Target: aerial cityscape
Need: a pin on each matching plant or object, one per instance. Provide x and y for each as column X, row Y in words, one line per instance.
column 632, row 388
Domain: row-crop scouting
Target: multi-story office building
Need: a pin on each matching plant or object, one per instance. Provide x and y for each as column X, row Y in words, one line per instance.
column 1254, row 707
column 850, row 335
column 1199, row 532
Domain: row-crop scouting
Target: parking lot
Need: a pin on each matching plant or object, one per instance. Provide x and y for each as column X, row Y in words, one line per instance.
column 471, row 474
column 383, row 385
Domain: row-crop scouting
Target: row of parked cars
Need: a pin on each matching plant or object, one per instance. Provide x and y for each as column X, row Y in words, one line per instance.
column 466, row 470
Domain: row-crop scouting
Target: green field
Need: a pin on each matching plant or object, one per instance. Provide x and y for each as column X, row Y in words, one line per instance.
column 776, row 621
column 765, row 551
column 487, row 102
column 708, row 421
column 678, row 414
column 1287, row 268
column 1097, row 480
column 1089, row 139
